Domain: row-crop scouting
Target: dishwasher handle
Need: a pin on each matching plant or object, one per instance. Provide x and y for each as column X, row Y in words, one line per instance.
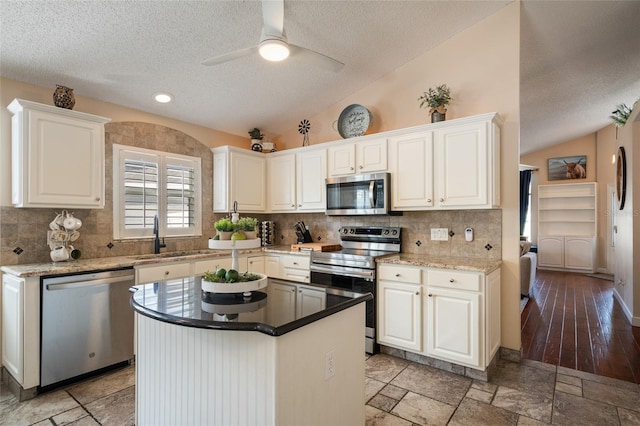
column 88, row 283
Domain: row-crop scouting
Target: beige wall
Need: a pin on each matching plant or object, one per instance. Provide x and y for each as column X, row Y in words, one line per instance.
column 627, row 274
column 598, row 147
column 481, row 66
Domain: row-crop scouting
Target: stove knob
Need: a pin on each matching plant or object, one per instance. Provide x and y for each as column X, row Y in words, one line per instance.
column 394, row 232
column 386, row 232
column 352, row 231
column 344, row 231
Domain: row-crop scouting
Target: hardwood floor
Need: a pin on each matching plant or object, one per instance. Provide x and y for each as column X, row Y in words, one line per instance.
column 574, row 321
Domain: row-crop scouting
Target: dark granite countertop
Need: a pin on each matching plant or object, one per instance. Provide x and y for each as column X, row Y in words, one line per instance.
column 181, row 301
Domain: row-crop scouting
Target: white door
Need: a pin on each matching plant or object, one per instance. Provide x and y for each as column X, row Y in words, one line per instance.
column 400, row 315
column 579, row 253
column 247, row 182
column 311, row 172
column 372, row 156
column 411, row 159
column 255, row 264
column 551, row 252
column 282, row 183
column 284, row 296
column 309, row 301
column 453, row 326
column 612, row 228
column 342, row 160
column 13, row 326
column 54, row 143
column 461, row 165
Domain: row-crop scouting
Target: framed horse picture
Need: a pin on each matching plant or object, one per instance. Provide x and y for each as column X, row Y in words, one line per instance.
column 561, row 168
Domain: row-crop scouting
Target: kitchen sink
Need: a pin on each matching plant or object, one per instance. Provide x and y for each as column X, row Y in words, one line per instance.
column 170, row 254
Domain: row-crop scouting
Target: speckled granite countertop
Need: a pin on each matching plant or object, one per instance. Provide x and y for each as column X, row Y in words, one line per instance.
column 104, row 263
column 459, row 263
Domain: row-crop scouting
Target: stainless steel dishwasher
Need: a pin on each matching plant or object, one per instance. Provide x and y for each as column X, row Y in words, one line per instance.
column 86, row 323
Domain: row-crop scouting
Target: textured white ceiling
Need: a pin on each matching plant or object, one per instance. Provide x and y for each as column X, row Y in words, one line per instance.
column 575, row 67
column 579, row 59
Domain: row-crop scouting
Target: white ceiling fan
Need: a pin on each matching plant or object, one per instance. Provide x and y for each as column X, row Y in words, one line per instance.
column 273, row 44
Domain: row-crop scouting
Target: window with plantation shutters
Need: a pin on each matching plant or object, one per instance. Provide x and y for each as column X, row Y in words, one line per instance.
column 149, row 183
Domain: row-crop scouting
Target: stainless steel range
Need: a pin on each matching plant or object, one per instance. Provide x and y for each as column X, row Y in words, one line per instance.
column 353, row 269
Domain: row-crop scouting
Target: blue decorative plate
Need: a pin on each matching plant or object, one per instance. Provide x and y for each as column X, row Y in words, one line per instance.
column 354, row 121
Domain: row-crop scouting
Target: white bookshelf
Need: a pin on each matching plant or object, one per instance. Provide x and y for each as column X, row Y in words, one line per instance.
column 567, row 226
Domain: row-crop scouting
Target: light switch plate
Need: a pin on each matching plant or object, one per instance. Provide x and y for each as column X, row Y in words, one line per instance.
column 439, row 234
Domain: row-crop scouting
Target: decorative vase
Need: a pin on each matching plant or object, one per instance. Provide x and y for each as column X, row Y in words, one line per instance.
column 437, row 116
column 63, row 97
column 251, row 235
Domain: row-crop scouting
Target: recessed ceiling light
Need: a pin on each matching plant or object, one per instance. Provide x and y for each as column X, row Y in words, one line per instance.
column 163, row 97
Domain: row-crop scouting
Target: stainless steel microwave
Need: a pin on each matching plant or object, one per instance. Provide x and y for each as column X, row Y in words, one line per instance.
column 363, row 194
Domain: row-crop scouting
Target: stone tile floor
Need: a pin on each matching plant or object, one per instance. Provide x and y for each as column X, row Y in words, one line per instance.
column 398, row 392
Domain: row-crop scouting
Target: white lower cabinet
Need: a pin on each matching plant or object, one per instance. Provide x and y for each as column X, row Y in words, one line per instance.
column 297, row 300
column 255, row 264
column 400, row 315
column 284, row 295
column 453, row 326
column 446, row 314
column 309, row 300
column 571, row 253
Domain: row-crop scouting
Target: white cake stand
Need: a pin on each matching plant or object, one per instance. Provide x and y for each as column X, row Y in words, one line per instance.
column 234, row 246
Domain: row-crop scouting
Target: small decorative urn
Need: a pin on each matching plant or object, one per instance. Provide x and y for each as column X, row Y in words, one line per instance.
column 63, row 97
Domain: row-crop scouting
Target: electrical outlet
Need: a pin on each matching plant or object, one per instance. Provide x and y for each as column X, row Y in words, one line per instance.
column 330, row 364
column 439, row 234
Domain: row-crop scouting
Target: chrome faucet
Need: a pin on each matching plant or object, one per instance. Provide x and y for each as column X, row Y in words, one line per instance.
column 157, row 245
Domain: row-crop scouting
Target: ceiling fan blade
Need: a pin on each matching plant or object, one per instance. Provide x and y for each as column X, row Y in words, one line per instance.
column 322, row 61
column 232, row 56
column 273, row 17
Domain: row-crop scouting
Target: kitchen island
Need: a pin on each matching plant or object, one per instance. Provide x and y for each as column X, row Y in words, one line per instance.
column 204, row 358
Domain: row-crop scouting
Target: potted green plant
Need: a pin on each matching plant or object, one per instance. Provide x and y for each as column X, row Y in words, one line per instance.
column 256, row 139
column 436, row 100
column 225, row 228
column 621, row 114
column 248, row 226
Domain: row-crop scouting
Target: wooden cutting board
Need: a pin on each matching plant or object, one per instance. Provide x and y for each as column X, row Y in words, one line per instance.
column 316, row 246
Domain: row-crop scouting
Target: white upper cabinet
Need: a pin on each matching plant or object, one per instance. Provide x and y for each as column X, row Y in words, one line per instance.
column 448, row 165
column 296, row 182
column 239, row 175
column 311, row 172
column 411, row 157
column 45, row 141
column 467, row 165
column 365, row 156
column 281, row 176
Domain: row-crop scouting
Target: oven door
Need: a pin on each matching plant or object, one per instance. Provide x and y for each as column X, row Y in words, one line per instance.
column 344, row 285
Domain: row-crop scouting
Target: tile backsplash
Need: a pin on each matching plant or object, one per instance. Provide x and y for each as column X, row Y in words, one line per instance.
column 23, row 232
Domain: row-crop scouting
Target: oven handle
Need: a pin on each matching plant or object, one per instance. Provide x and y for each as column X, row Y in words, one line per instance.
column 372, row 200
column 336, row 270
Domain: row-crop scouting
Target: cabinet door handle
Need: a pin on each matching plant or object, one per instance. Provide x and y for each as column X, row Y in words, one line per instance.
column 397, row 275
column 166, row 273
column 430, row 295
column 351, row 168
column 451, row 280
column 442, row 200
column 428, row 200
column 97, row 198
column 293, row 205
column 299, row 205
column 417, row 293
column 295, row 263
column 361, row 167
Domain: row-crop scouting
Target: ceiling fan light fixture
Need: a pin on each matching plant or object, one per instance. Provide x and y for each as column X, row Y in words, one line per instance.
column 162, row 97
column 274, row 50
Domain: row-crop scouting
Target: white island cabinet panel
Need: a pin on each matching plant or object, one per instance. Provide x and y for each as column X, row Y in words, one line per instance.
column 222, row 377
